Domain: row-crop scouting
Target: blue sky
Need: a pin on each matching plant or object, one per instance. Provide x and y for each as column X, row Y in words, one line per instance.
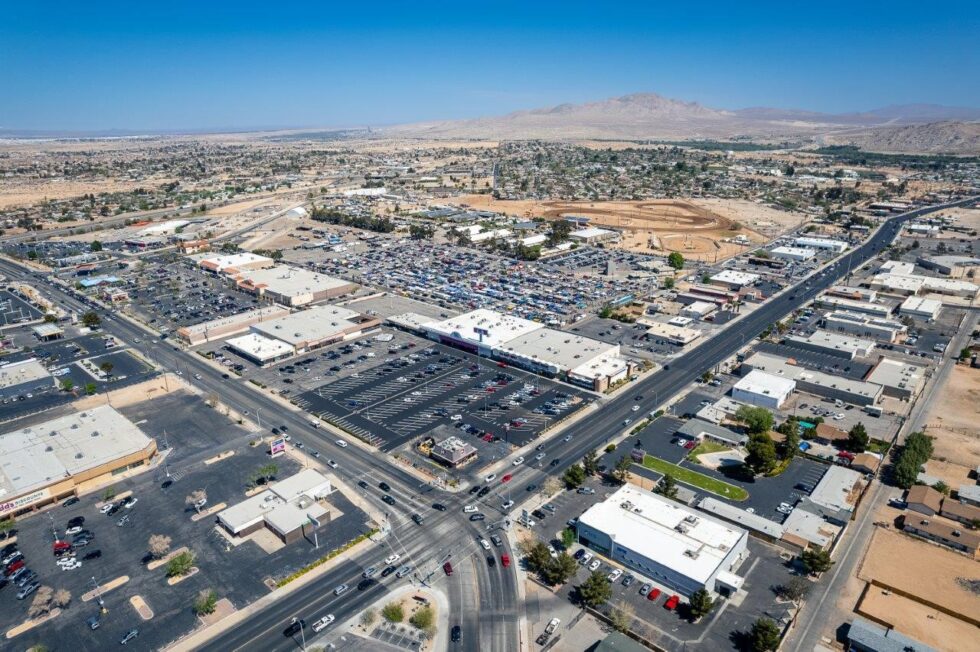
column 181, row 65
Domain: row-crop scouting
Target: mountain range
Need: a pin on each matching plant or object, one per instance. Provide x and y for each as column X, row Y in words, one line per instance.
column 648, row 116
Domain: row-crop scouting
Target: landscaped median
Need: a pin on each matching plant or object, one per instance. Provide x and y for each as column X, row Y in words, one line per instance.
column 695, row 479
column 327, row 557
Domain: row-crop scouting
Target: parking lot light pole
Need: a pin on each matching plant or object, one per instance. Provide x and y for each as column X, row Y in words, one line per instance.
column 302, row 632
column 98, row 596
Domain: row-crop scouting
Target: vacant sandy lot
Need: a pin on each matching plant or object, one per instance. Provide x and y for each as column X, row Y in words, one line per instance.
column 953, row 419
column 926, row 624
column 921, row 569
column 966, row 217
column 699, row 229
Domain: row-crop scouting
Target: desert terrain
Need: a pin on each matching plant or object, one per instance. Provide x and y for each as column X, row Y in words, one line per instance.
column 952, row 421
column 701, row 229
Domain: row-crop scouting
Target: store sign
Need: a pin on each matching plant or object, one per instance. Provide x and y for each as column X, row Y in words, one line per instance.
column 24, row 501
column 277, row 447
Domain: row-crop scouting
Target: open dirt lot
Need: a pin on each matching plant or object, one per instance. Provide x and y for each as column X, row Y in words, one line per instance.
column 953, row 419
column 922, row 570
column 697, row 228
column 966, row 217
column 931, row 626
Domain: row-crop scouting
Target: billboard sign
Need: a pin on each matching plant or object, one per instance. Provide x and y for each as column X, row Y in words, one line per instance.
column 277, row 447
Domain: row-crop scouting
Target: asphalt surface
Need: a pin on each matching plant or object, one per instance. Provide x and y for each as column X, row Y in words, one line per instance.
column 495, row 593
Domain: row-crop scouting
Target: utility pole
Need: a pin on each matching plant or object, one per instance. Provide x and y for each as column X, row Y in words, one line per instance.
column 98, row 596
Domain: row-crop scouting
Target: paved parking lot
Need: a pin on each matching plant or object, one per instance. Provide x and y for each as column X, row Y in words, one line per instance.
column 418, row 388
column 14, row 310
column 169, row 295
column 161, row 511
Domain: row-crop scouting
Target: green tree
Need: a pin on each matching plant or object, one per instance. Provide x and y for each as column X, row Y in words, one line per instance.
column 424, row 619
column 67, row 384
column 591, row 463
column 816, row 560
column 756, row 419
column 667, row 487
column 796, row 589
column 558, row 570
column 50, row 318
column 106, row 368
column 6, row 525
column 857, row 438
column 941, row 487
column 574, row 476
column 393, row 612
column 761, row 456
column 559, row 232
column 368, row 616
column 567, row 537
column 965, row 353
column 792, row 443
column 622, row 471
column 669, row 283
column 701, row 603
column 675, row 260
column 96, row 245
column 205, row 602
column 90, row 388
column 263, row 474
column 764, row 636
column 91, row 319
column 538, row 557
column 595, row 590
column 181, row 564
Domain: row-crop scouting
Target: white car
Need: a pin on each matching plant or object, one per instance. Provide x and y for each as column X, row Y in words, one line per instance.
column 73, row 530
column 519, row 461
column 391, row 559
column 635, row 408
column 332, row 464
column 68, row 560
column 342, row 443
column 586, row 558
column 105, row 508
column 485, row 544
column 490, row 478
column 507, row 505
column 595, row 565
column 615, row 575
column 552, row 551
column 552, row 626
column 71, row 566
column 323, row 623
column 456, row 417
column 470, row 509
column 539, row 456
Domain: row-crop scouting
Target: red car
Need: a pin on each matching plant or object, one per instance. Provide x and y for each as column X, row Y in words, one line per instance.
column 448, row 568
column 671, row 603
column 60, row 547
column 506, row 478
column 505, row 560
column 502, row 365
column 654, row 594
column 17, row 565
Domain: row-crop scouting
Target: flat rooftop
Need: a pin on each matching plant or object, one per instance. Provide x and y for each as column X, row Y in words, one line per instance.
column 778, row 366
column 895, row 373
column 921, row 304
column 260, row 347
column 25, row 371
column 835, row 341
column 311, row 325
column 591, row 232
column 666, row 532
column 291, row 281
column 735, row 278
column 558, row 348
column 766, row 384
column 223, row 262
column 255, row 314
column 39, row 455
column 495, row 328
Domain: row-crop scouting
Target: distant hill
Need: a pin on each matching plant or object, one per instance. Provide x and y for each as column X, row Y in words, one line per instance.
column 648, row 116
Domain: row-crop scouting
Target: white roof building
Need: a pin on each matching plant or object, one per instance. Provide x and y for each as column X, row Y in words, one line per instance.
column 793, row 253
column 592, row 234
column 293, row 286
column 733, row 279
column 259, row 349
column 821, row 243
column 285, row 507
column 899, row 379
column 852, row 305
column 699, row 309
column 837, row 489
column 834, row 344
column 23, row 372
column 921, row 307
column 315, row 327
column 763, row 389
column 835, row 386
column 481, row 328
column 863, row 325
column 677, row 546
column 234, row 263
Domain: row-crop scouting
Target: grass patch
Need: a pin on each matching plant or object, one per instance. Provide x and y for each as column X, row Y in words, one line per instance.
column 878, row 446
column 324, row 559
column 706, row 446
column 695, row 479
